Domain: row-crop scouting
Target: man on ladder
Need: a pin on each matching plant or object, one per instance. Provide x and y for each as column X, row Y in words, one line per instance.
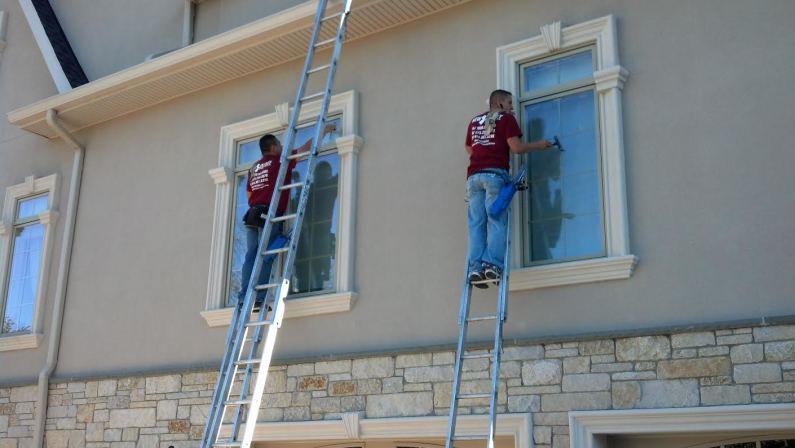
column 491, row 138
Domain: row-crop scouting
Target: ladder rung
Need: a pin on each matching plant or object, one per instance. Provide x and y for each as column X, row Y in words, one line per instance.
column 476, row 355
column 292, row 185
column 312, row 96
column 278, row 250
column 481, row 395
column 298, row 155
column 485, row 282
column 284, row 218
column 245, row 362
column 472, row 437
column 265, row 286
column 479, row 318
column 227, row 443
column 237, row 402
column 325, row 42
column 333, row 16
column 259, row 323
column 320, row 68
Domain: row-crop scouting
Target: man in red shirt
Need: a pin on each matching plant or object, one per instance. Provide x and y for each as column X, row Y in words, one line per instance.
column 259, row 191
column 491, row 138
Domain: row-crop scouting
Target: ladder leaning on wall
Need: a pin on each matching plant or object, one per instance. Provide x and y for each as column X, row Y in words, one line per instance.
column 245, row 358
column 464, row 319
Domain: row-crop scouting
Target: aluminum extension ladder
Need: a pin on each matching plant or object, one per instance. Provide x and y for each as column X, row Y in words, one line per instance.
column 464, row 318
column 234, row 394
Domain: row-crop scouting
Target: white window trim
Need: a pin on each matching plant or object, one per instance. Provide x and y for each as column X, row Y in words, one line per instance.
column 48, row 218
column 609, row 78
column 353, row 427
column 348, row 147
column 589, row 429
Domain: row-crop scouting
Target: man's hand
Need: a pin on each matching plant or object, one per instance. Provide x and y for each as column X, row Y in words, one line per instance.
column 329, row 128
column 518, row 147
column 542, row 144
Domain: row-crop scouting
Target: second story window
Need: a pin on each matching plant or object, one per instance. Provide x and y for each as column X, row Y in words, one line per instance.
column 563, row 206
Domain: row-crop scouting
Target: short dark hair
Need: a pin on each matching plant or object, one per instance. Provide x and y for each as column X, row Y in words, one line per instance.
column 497, row 96
column 267, row 142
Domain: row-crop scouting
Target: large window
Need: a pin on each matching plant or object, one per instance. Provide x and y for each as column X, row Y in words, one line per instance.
column 572, row 225
column 315, row 260
column 323, row 272
column 562, row 209
column 24, row 247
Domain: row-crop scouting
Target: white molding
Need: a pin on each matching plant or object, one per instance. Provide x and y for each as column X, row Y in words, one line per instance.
column 609, row 77
column 551, row 35
column 586, row 428
column 48, row 218
column 518, row 426
column 572, row 273
column 19, row 342
column 345, row 104
column 301, row 307
column 283, row 113
column 45, row 46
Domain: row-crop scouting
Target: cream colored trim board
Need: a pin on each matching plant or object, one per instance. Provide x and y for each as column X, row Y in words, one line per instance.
column 588, row 429
column 19, row 342
column 518, row 426
column 572, row 273
column 609, row 77
column 262, row 44
column 301, row 307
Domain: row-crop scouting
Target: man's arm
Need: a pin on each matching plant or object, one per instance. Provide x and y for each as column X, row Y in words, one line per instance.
column 327, row 130
column 469, row 150
column 519, row 147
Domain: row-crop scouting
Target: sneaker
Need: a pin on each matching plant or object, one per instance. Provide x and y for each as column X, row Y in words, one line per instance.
column 475, row 277
column 491, row 272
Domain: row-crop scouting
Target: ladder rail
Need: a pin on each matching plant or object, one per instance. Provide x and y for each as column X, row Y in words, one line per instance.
column 239, row 327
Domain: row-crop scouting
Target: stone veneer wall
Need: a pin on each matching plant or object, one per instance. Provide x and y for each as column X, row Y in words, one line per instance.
column 740, row 366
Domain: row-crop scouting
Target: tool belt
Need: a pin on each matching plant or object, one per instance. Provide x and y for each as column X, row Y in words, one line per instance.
column 254, row 216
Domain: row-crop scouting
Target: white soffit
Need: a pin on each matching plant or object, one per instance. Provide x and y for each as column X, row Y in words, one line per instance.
column 268, row 42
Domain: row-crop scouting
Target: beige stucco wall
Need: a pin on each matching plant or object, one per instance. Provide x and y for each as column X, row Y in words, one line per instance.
column 707, row 113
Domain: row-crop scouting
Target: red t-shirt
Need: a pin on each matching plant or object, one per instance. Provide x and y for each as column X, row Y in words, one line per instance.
column 491, row 150
column 261, row 179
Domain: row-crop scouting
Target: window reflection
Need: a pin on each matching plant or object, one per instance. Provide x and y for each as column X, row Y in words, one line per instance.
column 23, row 278
column 563, row 203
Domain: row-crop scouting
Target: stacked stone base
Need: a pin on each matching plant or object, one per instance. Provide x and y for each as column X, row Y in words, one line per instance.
column 725, row 367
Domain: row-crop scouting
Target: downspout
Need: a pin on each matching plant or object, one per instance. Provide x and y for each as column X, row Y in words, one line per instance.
column 64, row 263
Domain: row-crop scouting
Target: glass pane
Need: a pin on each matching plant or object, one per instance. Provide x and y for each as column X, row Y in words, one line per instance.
column 248, row 152
column 564, row 198
column 558, row 71
column 238, row 246
column 23, row 278
column 316, row 257
column 741, row 445
column 27, row 208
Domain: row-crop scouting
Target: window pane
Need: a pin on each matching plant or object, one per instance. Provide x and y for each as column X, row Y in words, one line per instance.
column 778, row 443
column 23, row 278
column 238, row 246
column 559, row 71
column 315, row 260
column 564, row 198
column 307, row 132
column 31, row 207
column 248, row 152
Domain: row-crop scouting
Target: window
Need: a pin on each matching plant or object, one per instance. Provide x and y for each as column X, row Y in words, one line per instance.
column 562, row 207
column 573, row 219
column 323, row 274
column 24, row 248
column 314, row 263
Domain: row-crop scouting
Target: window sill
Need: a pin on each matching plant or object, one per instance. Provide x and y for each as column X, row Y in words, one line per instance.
column 307, row 306
column 19, row 342
column 573, row 273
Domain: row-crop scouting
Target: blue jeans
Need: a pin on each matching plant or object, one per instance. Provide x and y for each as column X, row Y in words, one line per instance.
column 486, row 233
column 252, row 244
